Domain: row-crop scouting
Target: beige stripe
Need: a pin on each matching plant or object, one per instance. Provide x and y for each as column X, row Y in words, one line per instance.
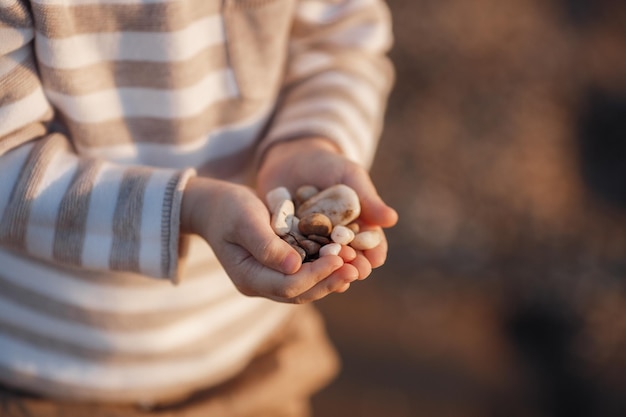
column 229, row 166
column 106, row 321
column 19, row 83
column 160, row 75
column 23, row 135
column 377, row 71
column 170, row 216
column 105, row 356
column 17, row 213
column 312, row 92
column 171, row 392
column 60, row 21
column 162, row 131
column 16, row 15
column 71, row 220
column 127, row 220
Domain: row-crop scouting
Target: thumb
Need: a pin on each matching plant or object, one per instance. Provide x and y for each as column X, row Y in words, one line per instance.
column 258, row 238
column 373, row 209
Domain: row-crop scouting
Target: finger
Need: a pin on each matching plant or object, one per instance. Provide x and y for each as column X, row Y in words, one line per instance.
column 347, row 253
column 271, row 284
column 338, row 282
column 373, row 209
column 378, row 255
column 257, row 237
column 362, row 264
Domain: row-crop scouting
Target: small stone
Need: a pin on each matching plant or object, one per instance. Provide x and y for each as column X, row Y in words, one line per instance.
column 354, row 226
column 339, row 203
column 290, row 239
column 315, row 224
column 295, row 222
column 342, row 235
column 282, row 217
column 305, row 192
column 322, row 240
column 274, row 197
column 310, row 247
column 366, row 240
column 330, row 249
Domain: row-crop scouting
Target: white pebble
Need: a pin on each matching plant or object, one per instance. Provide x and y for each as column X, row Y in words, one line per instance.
column 294, row 225
column 366, row 240
column 339, row 203
column 282, row 217
column 342, row 235
column 330, row 249
column 276, row 196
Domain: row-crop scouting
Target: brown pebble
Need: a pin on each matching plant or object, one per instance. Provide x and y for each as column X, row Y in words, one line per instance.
column 315, row 224
column 290, row 239
column 322, row 240
column 311, row 248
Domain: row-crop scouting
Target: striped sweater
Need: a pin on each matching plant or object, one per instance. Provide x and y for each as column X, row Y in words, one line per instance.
column 107, row 107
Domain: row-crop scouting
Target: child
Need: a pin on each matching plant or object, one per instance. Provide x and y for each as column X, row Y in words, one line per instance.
column 137, row 139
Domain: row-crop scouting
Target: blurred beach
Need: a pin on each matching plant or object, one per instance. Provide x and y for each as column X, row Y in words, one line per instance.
column 504, row 152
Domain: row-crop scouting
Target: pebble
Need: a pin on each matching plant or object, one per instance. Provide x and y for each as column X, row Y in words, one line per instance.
column 276, row 196
column 282, row 217
column 339, row 203
column 318, row 222
column 315, row 224
column 330, row 249
column 366, row 240
column 305, row 192
column 342, row 235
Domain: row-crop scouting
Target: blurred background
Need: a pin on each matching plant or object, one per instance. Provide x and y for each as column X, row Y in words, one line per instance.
column 504, row 152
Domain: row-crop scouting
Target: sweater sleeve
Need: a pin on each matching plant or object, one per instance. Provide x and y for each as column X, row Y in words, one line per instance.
column 58, row 206
column 338, row 76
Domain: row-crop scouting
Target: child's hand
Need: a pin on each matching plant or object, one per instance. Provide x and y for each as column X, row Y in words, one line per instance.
column 317, row 161
column 236, row 224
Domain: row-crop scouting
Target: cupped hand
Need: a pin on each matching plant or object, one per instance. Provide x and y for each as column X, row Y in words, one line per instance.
column 318, row 162
column 236, row 224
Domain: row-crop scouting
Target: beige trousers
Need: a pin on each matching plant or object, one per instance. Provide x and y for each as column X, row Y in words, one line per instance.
column 278, row 383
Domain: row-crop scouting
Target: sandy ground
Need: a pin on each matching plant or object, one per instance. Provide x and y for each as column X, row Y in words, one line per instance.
column 504, row 153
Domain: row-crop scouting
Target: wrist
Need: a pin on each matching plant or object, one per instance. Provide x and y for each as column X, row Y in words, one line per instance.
column 196, row 195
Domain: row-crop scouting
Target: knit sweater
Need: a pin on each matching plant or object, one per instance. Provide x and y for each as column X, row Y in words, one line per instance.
column 107, row 107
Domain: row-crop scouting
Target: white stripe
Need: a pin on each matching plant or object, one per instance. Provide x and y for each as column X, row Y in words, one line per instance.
column 45, row 205
column 184, row 332
column 363, row 93
column 14, row 38
column 326, row 128
column 359, row 127
column 217, row 144
column 150, row 248
column 11, row 61
column 87, row 49
column 321, row 12
column 147, row 102
column 308, row 62
column 159, row 297
column 11, row 164
column 369, row 37
column 22, row 112
column 220, row 362
column 99, row 224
